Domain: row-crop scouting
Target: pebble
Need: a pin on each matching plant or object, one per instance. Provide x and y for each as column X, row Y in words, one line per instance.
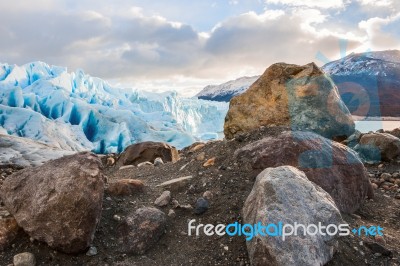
column 110, row 161
column 158, row 161
column 386, row 176
column 210, row 162
column 380, row 239
column 144, row 164
column 126, row 167
column 208, row 195
column 374, row 186
column 201, row 206
column 117, row 217
column 92, row 251
column 171, row 213
column 164, row 199
column 201, row 156
column 24, row 259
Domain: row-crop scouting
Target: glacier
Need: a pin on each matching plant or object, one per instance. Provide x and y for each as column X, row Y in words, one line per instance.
column 76, row 112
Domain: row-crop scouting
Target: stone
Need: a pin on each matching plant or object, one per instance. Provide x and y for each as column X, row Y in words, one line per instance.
column 141, row 230
column 301, row 97
column 59, row 202
column 91, row 252
column 147, row 152
column 110, row 161
column 395, row 132
column 331, row 165
column 164, row 199
column 201, row 156
column 386, row 176
column 208, row 195
column 284, row 194
column 201, row 206
column 158, row 161
column 197, row 147
column 377, row 147
column 171, row 213
column 24, row 259
column 126, row 167
column 145, row 164
column 125, row 187
column 176, row 183
column 209, row 162
column 8, row 232
column 378, row 248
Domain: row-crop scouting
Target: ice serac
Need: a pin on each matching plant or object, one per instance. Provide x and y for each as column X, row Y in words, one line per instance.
column 301, row 97
column 76, row 112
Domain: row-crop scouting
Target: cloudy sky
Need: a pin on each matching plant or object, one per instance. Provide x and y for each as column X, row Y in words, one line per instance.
column 184, row 45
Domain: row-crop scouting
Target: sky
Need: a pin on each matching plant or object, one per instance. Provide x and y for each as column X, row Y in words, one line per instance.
column 182, row 45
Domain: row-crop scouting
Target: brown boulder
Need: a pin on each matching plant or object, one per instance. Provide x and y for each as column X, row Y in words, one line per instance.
column 395, row 132
column 331, row 165
column 141, row 230
column 378, row 147
column 59, row 202
column 147, row 152
column 301, row 97
column 8, row 232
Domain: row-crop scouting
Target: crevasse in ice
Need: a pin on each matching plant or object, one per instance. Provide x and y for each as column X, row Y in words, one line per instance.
column 75, row 111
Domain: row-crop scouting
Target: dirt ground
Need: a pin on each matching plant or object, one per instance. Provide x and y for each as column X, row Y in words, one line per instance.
column 230, row 184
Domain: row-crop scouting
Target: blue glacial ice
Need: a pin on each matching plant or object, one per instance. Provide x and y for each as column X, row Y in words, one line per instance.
column 74, row 111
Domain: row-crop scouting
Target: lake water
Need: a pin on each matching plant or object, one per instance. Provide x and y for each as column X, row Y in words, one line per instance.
column 366, row 126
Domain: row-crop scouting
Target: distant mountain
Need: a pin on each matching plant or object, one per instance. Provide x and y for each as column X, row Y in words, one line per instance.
column 224, row 92
column 369, row 83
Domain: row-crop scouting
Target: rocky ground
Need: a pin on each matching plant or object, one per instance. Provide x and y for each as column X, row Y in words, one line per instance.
column 225, row 184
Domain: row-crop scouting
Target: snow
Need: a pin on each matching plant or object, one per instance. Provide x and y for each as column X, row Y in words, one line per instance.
column 370, row 63
column 75, row 112
column 224, row 92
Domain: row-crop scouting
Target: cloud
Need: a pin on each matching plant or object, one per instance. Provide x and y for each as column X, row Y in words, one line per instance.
column 324, row 4
column 377, row 38
column 132, row 45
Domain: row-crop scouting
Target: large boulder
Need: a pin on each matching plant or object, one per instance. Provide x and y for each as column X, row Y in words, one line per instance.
column 395, row 132
column 331, row 165
column 376, row 147
column 301, row 97
column 285, row 195
column 147, row 152
column 141, row 230
column 59, row 202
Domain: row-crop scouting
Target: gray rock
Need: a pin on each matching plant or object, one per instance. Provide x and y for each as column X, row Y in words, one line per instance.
column 201, row 206
column 331, row 165
column 158, row 161
column 164, row 199
column 284, row 194
column 24, row 259
column 92, row 252
column 141, row 230
column 377, row 147
column 59, row 202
